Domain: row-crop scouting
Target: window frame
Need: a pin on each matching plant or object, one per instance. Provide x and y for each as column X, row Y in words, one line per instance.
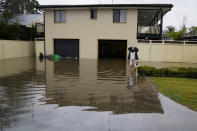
column 119, row 16
column 61, row 21
column 92, row 11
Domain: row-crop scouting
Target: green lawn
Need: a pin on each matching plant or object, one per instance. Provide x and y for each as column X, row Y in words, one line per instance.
column 181, row 90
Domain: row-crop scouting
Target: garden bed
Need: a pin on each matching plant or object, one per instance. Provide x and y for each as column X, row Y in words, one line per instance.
column 167, row 72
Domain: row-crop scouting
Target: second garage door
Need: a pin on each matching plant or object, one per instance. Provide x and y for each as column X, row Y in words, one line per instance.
column 66, row 47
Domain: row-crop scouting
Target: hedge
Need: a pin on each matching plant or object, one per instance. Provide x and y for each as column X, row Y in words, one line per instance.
column 167, row 72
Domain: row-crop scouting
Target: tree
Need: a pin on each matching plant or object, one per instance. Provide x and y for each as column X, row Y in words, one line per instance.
column 2, row 2
column 31, row 8
column 5, row 16
column 170, row 29
column 10, row 32
column 193, row 30
column 10, row 29
column 21, row 6
column 179, row 34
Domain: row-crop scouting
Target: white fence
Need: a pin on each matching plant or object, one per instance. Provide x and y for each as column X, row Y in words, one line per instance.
column 168, row 51
column 16, row 48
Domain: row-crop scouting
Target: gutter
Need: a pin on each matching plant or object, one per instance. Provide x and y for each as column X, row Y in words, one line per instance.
column 107, row 6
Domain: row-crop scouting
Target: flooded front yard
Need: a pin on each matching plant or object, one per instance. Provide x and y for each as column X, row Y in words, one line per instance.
column 84, row 95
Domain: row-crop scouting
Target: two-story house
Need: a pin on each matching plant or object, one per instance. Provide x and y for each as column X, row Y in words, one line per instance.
column 99, row 31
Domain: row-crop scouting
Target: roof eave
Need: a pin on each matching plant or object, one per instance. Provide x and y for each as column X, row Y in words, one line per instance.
column 108, row 6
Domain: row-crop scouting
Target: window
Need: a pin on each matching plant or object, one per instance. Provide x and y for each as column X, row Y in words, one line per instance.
column 60, row 16
column 119, row 16
column 93, row 14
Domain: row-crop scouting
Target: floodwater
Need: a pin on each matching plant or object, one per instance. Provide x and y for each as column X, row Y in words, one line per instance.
column 84, row 95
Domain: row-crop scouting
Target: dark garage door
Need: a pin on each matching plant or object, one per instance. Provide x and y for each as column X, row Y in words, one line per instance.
column 66, row 47
column 112, row 49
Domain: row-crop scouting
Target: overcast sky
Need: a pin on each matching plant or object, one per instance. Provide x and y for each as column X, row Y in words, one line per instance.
column 183, row 9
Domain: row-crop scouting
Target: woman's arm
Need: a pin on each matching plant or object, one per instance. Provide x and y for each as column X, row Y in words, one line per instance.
column 136, row 49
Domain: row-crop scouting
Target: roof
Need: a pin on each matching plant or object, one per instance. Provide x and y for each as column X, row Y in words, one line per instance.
column 108, row 6
column 25, row 19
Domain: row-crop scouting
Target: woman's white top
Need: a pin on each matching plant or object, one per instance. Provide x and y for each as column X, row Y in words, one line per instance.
column 132, row 55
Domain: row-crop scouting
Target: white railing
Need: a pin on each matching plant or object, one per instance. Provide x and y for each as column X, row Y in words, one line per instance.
column 167, row 41
column 149, row 29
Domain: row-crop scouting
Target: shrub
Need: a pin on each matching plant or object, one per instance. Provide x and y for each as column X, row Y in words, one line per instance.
column 9, row 32
column 167, row 72
column 16, row 31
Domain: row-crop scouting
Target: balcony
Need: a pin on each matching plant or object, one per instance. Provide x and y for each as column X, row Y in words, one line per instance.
column 150, row 23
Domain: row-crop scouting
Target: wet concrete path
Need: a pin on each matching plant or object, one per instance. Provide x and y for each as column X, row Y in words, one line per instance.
column 85, row 95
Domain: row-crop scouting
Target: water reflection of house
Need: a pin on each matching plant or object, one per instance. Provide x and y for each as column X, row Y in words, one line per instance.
column 85, row 83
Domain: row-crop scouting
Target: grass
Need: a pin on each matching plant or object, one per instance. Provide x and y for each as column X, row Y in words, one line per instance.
column 181, row 90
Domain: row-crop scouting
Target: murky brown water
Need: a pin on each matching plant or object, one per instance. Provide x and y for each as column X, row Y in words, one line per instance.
column 72, row 95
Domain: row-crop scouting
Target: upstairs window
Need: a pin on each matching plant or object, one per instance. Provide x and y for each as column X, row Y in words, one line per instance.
column 119, row 16
column 60, row 16
column 93, row 14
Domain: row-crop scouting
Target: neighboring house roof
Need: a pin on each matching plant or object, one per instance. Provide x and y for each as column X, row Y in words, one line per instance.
column 25, row 19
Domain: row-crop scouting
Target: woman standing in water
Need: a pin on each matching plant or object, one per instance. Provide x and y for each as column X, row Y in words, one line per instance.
column 133, row 56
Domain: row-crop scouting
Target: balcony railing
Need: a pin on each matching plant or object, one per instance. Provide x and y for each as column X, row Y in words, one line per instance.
column 149, row 29
column 149, row 32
